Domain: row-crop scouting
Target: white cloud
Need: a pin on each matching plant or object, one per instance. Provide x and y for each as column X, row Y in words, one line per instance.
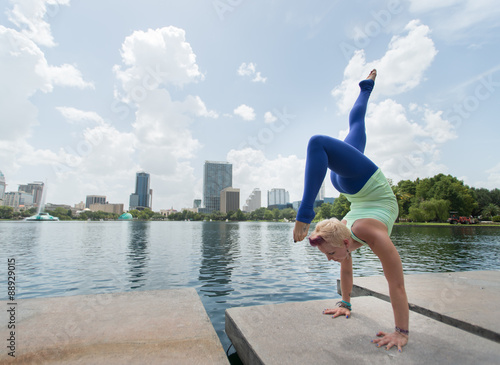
column 152, row 62
column 250, row 70
column 269, row 117
column 459, row 19
column 405, row 148
column 153, row 59
column 73, row 115
column 399, row 70
column 30, row 16
column 492, row 180
column 245, row 111
column 24, row 71
column 251, row 169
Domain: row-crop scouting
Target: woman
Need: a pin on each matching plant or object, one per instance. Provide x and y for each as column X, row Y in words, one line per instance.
column 373, row 211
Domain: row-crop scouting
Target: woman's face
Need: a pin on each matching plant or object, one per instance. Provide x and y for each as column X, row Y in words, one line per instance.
column 335, row 253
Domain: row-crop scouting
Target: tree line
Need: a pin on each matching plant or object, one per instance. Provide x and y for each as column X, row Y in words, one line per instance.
column 431, row 200
column 422, row 200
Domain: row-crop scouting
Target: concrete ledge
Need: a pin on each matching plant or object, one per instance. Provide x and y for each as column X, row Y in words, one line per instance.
column 298, row 333
column 149, row 327
column 467, row 300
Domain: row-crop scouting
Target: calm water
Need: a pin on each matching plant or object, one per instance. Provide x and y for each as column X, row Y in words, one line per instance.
column 229, row 264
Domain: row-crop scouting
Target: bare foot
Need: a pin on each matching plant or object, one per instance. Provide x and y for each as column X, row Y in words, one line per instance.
column 372, row 75
column 300, row 231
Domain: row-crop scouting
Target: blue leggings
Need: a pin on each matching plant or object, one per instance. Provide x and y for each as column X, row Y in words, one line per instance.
column 350, row 168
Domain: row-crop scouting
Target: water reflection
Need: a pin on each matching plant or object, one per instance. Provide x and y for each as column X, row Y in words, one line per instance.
column 138, row 253
column 220, row 246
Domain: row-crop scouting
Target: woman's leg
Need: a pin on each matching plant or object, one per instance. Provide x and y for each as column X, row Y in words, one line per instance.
column 350, row 168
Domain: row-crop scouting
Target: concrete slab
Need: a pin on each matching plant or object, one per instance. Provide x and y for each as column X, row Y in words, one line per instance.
column 298, row 333
column 149, row 327
column 467, row 300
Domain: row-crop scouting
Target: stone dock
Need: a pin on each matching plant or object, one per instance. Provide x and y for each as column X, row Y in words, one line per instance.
column 149, row 327
column 455, row 319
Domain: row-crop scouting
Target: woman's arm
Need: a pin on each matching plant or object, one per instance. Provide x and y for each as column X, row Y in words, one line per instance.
column 346, row 287
column 346, row 278
column 379, row 241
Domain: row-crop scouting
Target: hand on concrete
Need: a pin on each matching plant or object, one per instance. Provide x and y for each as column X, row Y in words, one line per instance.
column 341, row 311
column 300, row 231
column 391, row 339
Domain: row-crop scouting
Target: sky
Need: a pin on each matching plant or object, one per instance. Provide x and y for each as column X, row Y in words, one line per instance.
column 94, row 91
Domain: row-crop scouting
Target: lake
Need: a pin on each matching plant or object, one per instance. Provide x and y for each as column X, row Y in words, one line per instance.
column 229, row 264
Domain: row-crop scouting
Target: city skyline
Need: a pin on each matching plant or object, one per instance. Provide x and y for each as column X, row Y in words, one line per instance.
column 90, row 98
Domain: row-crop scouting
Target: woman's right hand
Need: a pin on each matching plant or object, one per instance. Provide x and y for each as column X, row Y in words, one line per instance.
column 340, row 311
column 300, row 231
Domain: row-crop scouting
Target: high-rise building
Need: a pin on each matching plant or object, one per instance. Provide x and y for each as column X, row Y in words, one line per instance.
column 277, row 197
column 196, row 203
column 229, row 200
column 107, row 208
column 2, row 187
column 253, row 202
column 217, row 176
column 321, row 192
column 94, row 199
column 35, row 189
column 18, row 199
column 143, row 196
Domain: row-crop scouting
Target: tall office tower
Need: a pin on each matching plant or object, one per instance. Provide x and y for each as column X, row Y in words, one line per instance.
column 142, row 198
column 94, row 199
column 229, row 200
column 2, row 187
column 277, row 197
column 217, row 176
column 196, row 203
column 253, row 202
column 321, row 192
column 35, row 189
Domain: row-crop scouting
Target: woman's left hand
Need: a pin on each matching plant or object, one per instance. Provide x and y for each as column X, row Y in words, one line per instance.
column 391, row 339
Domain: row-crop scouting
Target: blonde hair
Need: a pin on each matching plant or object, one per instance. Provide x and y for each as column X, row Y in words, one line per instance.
column 332, row 231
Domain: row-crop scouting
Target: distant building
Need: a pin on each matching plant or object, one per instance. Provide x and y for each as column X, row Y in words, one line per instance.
column 321, row 192
column 2, row 187
column 329, row 200
column 94, row 199
column 229, row 200
column 35, row 189
column 296, row 205
column 143, row 196
column 107, row 208
column 49, row 207
column 217, row 176
column 280, row 206
column 197, row 203
column 167, row 212
column 80, row 206
column 253, row 202
column 277, row 197
column 18, row 199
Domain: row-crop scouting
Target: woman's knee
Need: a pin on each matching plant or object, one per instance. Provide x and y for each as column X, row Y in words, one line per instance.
column 317, row 140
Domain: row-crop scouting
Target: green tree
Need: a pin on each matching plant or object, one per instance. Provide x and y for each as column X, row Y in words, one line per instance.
column 490, row 210
column 134, row 212
column 61, row 213
column 325, row 211
column 288, row 213
column 341, row 206
column 6, row 212
column 268, row 215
